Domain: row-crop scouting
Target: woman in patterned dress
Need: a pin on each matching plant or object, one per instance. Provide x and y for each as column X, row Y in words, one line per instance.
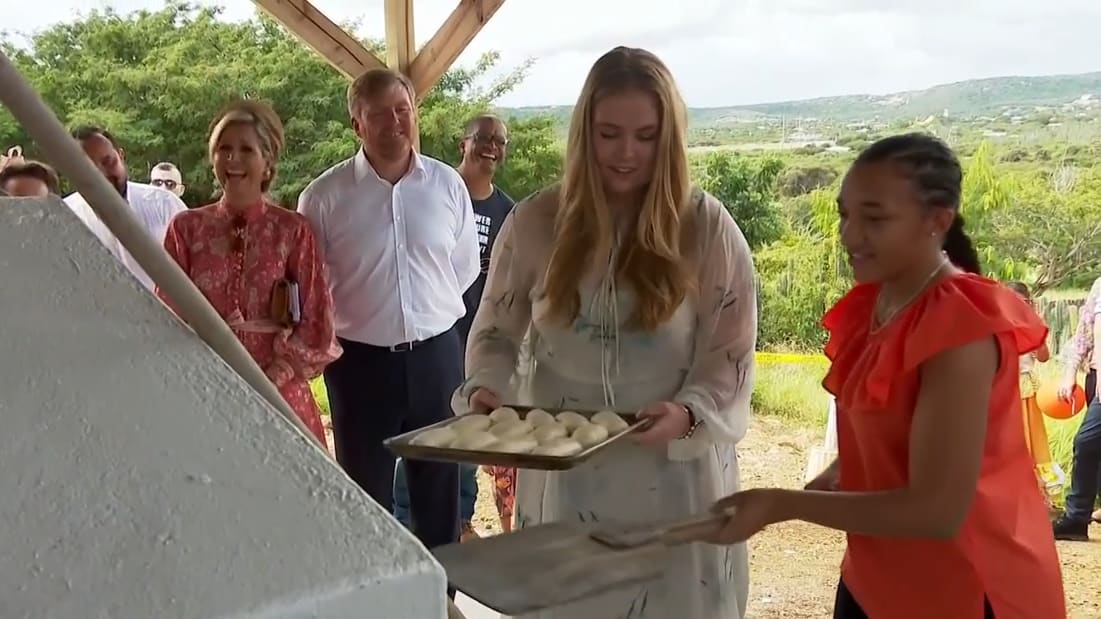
column 639, row 294
column 240, row 248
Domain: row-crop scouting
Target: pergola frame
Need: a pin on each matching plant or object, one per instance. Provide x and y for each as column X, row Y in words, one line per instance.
column 342, row 50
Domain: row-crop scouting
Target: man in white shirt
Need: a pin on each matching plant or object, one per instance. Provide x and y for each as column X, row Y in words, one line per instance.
column 398, row 235
column 154, row 207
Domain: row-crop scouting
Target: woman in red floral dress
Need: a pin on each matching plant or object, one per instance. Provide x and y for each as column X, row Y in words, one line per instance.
column 238, row 250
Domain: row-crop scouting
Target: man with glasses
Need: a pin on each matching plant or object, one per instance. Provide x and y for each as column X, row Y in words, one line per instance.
column 483, row 148
column 167, row 176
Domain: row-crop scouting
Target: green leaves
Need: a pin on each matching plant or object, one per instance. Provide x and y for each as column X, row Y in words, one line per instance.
column 746, row 188
column 1033, row 225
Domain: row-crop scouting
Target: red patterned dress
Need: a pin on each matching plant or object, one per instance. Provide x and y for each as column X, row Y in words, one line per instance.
column 236, row 258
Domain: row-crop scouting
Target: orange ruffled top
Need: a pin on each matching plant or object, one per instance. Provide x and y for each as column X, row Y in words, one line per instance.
column 1005, row 550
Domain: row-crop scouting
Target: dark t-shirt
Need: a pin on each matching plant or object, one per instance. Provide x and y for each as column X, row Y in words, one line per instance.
column 488, row 216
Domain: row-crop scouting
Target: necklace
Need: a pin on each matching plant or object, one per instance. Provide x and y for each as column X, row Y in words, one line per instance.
column 890, row 314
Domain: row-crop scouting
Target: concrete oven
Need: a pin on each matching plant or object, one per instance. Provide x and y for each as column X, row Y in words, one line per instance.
column 141, row 478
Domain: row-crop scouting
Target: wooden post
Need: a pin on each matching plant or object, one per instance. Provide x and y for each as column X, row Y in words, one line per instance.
column 347, row 54
column 400, row 39
column 450, row 41
column 342, row 50
column 401, row 43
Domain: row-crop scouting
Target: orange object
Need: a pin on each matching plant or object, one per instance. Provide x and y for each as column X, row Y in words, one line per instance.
column 1047, row 398
column 1004, row 550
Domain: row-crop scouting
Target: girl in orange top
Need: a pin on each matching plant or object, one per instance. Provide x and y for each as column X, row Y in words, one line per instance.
column 1047, row 471
column 933, row 482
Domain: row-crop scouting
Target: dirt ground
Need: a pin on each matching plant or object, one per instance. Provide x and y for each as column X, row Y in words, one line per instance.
column 794, row 566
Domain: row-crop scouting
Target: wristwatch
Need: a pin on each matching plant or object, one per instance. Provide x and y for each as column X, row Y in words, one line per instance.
column 694, row 422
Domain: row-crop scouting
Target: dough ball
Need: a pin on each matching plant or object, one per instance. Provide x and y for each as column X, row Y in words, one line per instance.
column 471, row 422
column 505, row 413
column 590, row 434
column 511, row 429
column 550, row 432
column 436, row 437
column 520, row 445
column 559, row 447
column 475, row 440
column 571, row 420
column 539, row 417
column 612, row 422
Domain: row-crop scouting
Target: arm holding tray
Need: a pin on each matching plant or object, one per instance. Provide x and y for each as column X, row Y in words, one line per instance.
column 720, row 382
column 503, row 318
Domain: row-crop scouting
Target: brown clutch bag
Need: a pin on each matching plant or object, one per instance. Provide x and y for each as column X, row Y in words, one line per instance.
column 285, row 305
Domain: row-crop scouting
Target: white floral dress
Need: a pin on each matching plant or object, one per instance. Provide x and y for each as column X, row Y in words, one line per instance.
column 702, row 357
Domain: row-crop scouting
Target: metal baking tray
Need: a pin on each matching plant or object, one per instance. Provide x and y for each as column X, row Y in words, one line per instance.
column 402, row 446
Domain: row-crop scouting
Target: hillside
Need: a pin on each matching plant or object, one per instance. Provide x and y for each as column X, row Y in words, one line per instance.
column 969, row 98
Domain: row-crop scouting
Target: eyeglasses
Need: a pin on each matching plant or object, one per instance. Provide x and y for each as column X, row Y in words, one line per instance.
column 237, row 235
column 483, row 139
column 165, row 183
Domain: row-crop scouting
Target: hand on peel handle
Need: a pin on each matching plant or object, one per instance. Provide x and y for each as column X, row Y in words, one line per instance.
column 483, row 401
column 747, row 512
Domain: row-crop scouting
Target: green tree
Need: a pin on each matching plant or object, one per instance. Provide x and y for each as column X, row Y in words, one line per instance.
column 1036, row 224
column 746, row 190
column 1055, row 233
column 803, row 180
column 157, row 78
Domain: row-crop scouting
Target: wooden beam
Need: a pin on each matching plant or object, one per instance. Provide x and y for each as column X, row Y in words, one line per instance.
column 321, row 34
column 449, row 42
column 400, row 42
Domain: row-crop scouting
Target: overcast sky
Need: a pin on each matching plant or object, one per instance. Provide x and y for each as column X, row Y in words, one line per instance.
column 726, row 52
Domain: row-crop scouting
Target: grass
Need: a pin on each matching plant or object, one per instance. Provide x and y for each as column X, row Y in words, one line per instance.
column 789, row 386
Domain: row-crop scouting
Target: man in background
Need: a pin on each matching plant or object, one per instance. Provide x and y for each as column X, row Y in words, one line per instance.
column 397, row 232
column 1083, row 351
column 483, row 148
column 167, row 176
column 154, row 207
column 29, row 179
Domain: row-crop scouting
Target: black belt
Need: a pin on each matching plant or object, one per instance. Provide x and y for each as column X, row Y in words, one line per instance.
column 407, row 346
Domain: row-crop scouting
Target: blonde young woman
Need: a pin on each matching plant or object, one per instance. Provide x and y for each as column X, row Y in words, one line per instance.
column 639, row 294
column 242, row 251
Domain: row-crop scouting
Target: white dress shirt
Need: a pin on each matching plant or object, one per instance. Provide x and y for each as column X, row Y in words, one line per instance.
column 399, row 255
column 154, row 207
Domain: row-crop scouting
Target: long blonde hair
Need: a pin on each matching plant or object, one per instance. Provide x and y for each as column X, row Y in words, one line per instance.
column 650, row 260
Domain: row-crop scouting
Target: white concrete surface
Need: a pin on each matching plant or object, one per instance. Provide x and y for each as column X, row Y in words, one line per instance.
column 140, row 477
